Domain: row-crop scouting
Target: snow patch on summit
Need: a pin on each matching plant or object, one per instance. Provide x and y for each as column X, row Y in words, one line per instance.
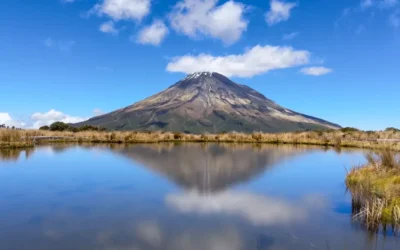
column 198, row 74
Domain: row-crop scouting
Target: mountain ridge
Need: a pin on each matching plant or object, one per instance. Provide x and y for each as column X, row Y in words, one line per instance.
column 208, row 102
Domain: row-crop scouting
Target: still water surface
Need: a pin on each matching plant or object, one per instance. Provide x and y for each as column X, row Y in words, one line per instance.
column 180, row 197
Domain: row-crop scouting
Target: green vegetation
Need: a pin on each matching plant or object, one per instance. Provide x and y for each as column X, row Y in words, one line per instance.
column 391, row 129
column 61, row 126
column 349, row 129
column 375, row 188
column 335, row 138
column 44, row 128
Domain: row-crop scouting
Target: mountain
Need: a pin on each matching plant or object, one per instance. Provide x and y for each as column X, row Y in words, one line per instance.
column 208, row 102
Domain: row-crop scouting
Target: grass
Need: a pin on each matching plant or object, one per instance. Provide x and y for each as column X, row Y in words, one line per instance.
column 335, row 138
column 375, row 188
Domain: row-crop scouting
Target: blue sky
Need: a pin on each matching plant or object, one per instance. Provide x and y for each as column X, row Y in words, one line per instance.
column 72, row 59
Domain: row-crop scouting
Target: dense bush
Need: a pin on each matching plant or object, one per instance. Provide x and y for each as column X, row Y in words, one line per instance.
column 391, row 129
column 349, row 129
column 44, row 128
column 91, row 128
column 60, row 126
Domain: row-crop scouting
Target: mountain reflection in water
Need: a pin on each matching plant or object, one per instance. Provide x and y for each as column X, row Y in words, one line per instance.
column 178, row 197
column 209, row 167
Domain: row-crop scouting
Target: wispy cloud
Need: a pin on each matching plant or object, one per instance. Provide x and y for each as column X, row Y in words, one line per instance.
column 255, row 61
column 365, row 4
column 195, row 18
column 361, row 28
column 316, row 71
column 63, row 46
column 290, row 36
column 97, row 112
column 104, row 69
column 388, row 3
column 394, row 19
column 344, row 14
column 279, row 12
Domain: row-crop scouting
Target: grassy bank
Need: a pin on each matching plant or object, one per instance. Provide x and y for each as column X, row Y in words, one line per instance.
column 375, row 188
column 336, row 138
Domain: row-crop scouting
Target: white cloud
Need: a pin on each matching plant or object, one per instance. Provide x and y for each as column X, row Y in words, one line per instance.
column 259, row 210
column 108, row 27
column 279, row 12
column 6, row 119
column 290, row 36
column 63, row 46
column 42, row 119
column 394, row 19
column 257, row 60
column 123, row 9
column 316, row 71
column 153, row 34
column 202, row 17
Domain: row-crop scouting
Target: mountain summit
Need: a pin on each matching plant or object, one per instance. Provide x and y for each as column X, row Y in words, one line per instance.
column 207, row 102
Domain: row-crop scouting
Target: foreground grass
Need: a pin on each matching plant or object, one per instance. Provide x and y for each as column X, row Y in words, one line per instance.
column 375, row 188
column 336, row 138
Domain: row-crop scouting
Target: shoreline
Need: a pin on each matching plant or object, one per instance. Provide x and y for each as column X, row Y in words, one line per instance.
column 354, row 145
column 340, row 139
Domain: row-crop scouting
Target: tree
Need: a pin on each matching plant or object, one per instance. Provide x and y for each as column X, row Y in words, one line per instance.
column 391, row 129
column 59, row 126
column 44, row 128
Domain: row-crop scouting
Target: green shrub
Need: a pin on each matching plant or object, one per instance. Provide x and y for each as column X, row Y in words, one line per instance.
column 72, row 129
column 44, row 128
column 391, row 129
column 91, row 128
column 349, row 129
column 59, row 126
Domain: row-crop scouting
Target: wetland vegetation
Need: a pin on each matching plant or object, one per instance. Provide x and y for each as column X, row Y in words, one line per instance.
column 375, row 188
column 346, row 137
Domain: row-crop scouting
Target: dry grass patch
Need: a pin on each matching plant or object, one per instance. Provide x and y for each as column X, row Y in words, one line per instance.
column 335, row 138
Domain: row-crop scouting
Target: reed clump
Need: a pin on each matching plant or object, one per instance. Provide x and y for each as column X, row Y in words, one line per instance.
column 375, row 188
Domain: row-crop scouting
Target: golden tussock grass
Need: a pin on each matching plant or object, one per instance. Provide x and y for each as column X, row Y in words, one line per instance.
column 375, row 188
column 335, row 138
